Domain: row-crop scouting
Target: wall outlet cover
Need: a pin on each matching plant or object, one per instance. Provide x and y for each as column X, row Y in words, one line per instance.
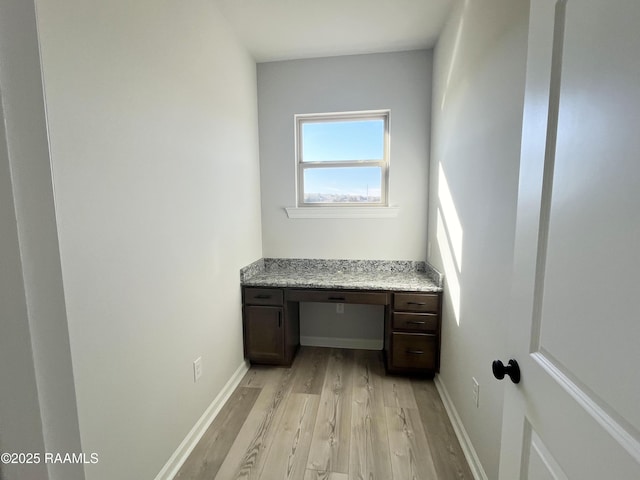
column 476, row 392
column 197, row 369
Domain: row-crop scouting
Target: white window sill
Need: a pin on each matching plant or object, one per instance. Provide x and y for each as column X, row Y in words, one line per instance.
column 342, row 212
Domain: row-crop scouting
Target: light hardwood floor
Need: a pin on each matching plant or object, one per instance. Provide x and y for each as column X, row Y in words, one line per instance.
column 333, row 415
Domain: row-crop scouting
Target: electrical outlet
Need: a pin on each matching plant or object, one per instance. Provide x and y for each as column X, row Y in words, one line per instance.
column 339, row 307
column 476, row 392
column 197, row 369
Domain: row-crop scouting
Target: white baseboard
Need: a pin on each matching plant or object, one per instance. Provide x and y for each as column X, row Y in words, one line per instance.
column 465, row 442
column 335, row 342
column 181, row 454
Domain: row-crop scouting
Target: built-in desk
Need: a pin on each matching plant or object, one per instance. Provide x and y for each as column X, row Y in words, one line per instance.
column 411, row 293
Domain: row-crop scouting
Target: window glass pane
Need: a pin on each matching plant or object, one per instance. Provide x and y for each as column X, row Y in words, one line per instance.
column 343, row 140
column 343, row 185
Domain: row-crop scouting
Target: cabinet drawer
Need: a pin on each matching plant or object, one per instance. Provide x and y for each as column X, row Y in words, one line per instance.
column 416, row 302
column 338, row 296
column 263, row 296
column 413, row 350
column 422, row 322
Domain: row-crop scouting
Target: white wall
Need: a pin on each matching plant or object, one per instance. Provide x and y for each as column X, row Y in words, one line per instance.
column 477, row 118
column 34, row 341
column 399, row 81
column 358, row 326
column 20, row 421
column 152, row 115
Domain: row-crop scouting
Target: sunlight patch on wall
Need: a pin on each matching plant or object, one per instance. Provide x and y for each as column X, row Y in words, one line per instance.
column 451, row 274
column 450, row 217
column 454, row 56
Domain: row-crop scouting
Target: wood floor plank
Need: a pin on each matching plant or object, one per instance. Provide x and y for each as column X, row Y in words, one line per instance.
column 260, row 375
column 446, row 452
column 311, row 367
column 207, row 456
column 369, row 455
column 410, row 454
column 319, row 475
column 332, row 432
column 358, row 427
column 247, row 455
column 287, row 458
column 398, row 392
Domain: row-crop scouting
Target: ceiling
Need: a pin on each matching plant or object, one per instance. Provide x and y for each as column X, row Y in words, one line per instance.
column 291, row 29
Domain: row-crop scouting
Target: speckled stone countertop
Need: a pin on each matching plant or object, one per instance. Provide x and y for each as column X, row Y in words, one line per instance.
column 388, row 275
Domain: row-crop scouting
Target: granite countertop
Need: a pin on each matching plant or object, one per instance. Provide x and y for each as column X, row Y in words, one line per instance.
column 342, row 274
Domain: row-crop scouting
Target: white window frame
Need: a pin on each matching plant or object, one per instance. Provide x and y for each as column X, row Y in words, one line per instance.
column 301, row 166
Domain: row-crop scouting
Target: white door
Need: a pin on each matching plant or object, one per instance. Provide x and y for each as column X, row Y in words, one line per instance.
column 575, row 313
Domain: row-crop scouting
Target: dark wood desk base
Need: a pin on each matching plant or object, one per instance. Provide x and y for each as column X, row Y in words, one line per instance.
column 271, row 325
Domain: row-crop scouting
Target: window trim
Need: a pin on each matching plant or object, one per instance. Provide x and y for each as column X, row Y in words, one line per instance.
column 301, row 166
column 342, row 212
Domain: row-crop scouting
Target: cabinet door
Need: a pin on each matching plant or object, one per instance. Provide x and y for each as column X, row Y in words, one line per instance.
column 264, row 334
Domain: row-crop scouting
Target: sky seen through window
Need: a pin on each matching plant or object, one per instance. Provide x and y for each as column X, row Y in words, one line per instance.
column 344, row 140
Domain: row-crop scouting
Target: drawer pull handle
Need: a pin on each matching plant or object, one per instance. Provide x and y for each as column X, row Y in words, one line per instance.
column 279, row 319
column 340, row 299
column 417, row 303
column 415, row 352
column 263, row 296
column 414, row 322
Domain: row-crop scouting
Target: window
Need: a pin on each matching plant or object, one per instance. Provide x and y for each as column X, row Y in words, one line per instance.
column 342, row 159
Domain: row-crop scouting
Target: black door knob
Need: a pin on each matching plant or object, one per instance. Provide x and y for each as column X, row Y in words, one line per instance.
column 512, row 369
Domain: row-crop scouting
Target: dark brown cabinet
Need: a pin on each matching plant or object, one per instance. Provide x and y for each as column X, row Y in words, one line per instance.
column 413, row 333
column 271, row 326
column 263, row 334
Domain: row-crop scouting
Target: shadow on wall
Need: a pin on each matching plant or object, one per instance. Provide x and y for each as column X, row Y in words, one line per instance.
column 449, row 234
